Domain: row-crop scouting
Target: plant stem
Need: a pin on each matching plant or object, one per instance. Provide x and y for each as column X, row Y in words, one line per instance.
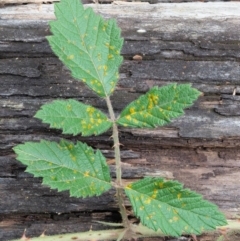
column 119, row 188
column 112, row 234
column 140, row 230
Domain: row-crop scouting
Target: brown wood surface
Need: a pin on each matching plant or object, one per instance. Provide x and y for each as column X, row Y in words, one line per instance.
column 201, row 149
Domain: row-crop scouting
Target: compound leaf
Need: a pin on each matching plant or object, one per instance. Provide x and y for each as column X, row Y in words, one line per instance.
column 158, row 106
column 74, row 117
column 87, row 44
column 66, row 166
column 165, row 205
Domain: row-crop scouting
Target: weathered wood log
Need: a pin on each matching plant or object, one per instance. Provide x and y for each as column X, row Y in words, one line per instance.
column 197, row 43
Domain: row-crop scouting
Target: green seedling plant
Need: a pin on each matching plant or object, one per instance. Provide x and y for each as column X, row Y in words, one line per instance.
column 90, row 47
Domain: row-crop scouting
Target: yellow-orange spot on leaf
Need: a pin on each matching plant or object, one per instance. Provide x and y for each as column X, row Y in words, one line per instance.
column 105, row 67
column 148, row 201
column 129, row 186
column 132, row 110
column 83, row 123
column 74, row 171
column 175, row 219
column 90, row 110
column 141, row 208
column 175, row 211
column 179, row 195
column 70, row 57
column 128, row 117
column 161, row 184
column 183, row 205
column 150, row 106
column 135, row 121
column 110, row 56
column 150, row 216
column 69, row 107
column 154, row 195
column 70, row 146
column 86, row 174
column 73, row 158
column 84, row 80
column 99, row 121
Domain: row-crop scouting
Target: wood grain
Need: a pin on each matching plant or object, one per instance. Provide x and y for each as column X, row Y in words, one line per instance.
column 181, row 43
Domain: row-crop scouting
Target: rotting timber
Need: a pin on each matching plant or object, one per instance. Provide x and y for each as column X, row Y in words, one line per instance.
column 177, row 43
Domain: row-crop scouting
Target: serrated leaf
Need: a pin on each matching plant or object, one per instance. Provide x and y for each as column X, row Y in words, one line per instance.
column 87, row 44
column 66, row 166
column 74, row 117
column 158, row 106
column 165, row 205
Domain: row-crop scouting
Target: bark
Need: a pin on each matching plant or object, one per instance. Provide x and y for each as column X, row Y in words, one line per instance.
column 189, row 42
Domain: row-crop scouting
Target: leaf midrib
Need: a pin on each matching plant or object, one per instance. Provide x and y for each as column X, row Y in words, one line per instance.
column 90, row 57
column 62, row 166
